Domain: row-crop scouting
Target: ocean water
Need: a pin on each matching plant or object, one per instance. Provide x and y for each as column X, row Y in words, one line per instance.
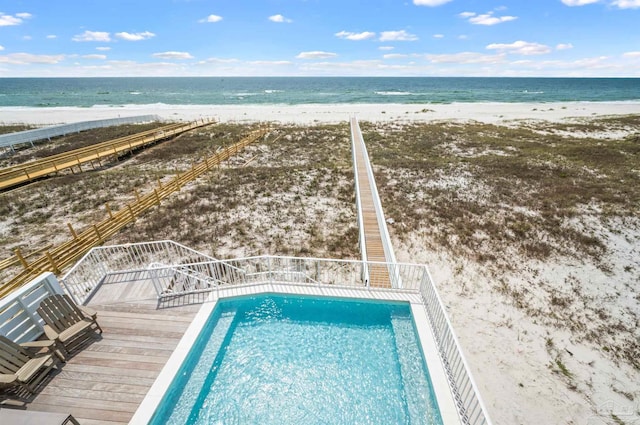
column 284, row 360
column 88, row 92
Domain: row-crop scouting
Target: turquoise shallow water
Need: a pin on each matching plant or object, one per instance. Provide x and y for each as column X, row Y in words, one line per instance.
column 296, row 360
column 87, row 92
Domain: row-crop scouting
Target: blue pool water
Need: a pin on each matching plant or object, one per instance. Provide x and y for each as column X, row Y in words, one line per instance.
column 281, row 360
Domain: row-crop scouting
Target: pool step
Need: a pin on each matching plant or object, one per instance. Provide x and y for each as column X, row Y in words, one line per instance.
column 203, row 368
column 412, row 373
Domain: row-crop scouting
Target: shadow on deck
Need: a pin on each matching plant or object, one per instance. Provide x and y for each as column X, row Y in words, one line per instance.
column 105, row 381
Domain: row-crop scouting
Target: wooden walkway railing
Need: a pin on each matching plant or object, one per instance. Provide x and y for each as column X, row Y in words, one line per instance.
column 61, row 256
column 374, row 243
column 23, row 173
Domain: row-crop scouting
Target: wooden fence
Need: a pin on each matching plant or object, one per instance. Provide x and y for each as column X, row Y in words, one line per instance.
column 23, row 173
column 61, row 256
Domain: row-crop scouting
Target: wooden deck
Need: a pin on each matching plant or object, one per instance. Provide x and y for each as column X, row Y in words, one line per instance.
column 104, row 382
column 378, row 275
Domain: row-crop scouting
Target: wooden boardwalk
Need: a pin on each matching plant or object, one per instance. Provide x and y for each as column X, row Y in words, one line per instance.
column 373, row 247
column 19, row 174
column 105, row 382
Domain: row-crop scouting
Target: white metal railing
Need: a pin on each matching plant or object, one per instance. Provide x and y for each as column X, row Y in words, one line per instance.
column 173, row 280
column 88, row 273
column 471, row 408
column 172, row 277
column 29, row 136
column 177, row 280
column 18, row 318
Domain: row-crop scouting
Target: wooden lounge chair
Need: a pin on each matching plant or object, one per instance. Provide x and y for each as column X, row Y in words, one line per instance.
column 19, row 367
column 65, row 321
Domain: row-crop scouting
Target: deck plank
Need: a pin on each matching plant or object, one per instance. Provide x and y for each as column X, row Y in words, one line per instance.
column 104, row 382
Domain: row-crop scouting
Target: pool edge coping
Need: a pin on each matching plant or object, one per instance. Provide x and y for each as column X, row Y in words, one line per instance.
column 439, row 381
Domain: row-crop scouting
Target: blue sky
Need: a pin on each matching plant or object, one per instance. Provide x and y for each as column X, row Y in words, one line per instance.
column 574, row 38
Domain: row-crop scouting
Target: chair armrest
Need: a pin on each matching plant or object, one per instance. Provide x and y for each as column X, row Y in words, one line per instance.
column 7, row 378
column 41, row 343
column 51, row 345
column 50, row 333
column 88, row 311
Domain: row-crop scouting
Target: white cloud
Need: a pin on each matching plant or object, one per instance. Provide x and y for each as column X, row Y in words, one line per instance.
column 1, row 48
column 595, row 62
column 211, row 19
column 430, row 3
column 465, row 58
column 103, row 48
column 10, row 20
column 219, row 60
column 278, row 63
column 92, row 36
column 522, row 62
column 173, row 55
column 316, row 55
column 395, row 56
column 521, row 48
column 578, row 2
column 397, row 36
column 52, row 36
column 97, row 57
column 27, row 37
column 28, row 58
column 564, row 46
column 627, row 4
column 620, row 4
column 486, row 18
column 438, row 35
column 631, row 54
column 355, row 36
column 134, row 36
column 280, row 19
column 346, row 68
column 386, row 48
column 463, row 37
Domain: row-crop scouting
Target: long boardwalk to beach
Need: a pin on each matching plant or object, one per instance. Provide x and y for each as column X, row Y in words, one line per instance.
column 372, row 225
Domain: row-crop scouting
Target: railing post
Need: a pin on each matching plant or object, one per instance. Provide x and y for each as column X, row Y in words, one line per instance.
column 133, row 216
column 95, row 228
column 53, row 264
column 21, row 258
column 106, row 205
column 33, row 316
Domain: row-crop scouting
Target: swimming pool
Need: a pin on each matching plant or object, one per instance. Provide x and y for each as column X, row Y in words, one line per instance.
column 284, row 359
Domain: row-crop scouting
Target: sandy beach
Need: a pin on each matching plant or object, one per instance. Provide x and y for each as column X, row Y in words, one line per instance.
column 548, row 330
column 328, row 113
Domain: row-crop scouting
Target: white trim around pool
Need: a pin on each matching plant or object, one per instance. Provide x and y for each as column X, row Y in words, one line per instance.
column 437, row 373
